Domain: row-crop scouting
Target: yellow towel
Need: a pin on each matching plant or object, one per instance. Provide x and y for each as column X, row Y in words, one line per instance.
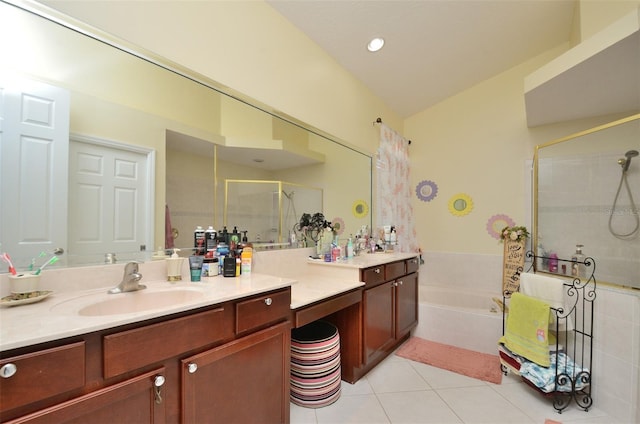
column 527, row 329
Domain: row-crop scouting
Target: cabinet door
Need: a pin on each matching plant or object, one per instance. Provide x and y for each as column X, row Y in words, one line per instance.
column 378, row 319
column 132, row 401
column 406, row 304
column 244, row 381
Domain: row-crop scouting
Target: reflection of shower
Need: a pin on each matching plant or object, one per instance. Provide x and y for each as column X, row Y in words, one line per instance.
column 291, row 207
column 625, row 163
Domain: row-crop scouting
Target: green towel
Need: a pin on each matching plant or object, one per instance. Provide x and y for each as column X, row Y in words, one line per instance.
column 527, row 329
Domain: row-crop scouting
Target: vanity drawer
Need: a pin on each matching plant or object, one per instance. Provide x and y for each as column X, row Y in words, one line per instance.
column 412, row 265
column 372, row 276
column 35, row 376
column 262, row 310
column 133, row 349
column 394, row 270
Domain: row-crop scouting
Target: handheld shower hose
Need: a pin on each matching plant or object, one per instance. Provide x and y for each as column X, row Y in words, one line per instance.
column 625, row 163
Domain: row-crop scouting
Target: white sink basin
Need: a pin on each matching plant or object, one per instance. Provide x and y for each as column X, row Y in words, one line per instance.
column 126, row 303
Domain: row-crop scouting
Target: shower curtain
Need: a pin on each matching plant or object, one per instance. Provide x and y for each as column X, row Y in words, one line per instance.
column 393, row 188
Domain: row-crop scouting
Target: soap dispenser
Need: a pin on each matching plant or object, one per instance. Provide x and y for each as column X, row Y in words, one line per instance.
column 174, row 266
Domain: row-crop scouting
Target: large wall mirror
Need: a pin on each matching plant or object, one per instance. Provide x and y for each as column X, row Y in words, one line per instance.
column 170, row 138
column 587, row 191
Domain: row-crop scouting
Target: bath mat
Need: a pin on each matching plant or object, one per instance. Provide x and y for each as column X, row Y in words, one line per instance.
column 462, row 361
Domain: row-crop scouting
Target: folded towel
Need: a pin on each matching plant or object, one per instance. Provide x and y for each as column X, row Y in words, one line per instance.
column 527, row 329
column 549, row 290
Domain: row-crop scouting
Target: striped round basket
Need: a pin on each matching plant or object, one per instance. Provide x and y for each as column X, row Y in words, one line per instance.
column 315, row 365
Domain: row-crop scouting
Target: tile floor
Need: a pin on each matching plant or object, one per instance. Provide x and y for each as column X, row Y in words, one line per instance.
column 402, row 391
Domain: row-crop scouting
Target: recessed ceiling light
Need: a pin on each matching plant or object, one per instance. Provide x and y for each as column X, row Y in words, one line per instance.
column 375, row 44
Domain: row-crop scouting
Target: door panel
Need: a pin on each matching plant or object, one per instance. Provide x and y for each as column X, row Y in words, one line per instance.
column 108, row 198
column 34, row 146
column 406, row 304
column 378, row 319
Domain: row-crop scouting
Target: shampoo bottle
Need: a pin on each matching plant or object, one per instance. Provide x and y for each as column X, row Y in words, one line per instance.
column 577, row 262
column 246, row 258
column 210, row 242
column 553, row 262
column 350, row 248
column 198, row 241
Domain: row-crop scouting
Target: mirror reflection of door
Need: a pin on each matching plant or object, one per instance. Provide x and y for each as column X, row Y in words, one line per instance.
column 109, row 207
column 34, row 130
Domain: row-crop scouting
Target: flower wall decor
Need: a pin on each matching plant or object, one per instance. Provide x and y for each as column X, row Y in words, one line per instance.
column 426, row 190
column 460, row 204
column 338, row 225
column 517, row 233
column 497, row 223
column 360, row 209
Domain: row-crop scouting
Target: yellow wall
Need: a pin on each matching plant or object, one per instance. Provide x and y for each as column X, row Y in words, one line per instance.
column 476, row 142
column 595, row 15
column 248, row 46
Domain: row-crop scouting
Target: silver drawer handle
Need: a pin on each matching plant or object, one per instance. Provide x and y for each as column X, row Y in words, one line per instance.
column 192, row 367
column 268, row 301
column 400, row 283
column 158, row 382
column 8, row 370
column 377, row 270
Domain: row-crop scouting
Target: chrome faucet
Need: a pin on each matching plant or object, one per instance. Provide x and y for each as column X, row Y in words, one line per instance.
column 130, row 280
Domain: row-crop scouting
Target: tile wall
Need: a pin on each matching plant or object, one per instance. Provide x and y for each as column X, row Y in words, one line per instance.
column 616, row 362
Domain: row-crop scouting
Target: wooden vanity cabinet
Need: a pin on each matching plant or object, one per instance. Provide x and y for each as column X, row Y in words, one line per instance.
column 247, row 379
column 131, row 401
column 390, row 308
column 144, row 372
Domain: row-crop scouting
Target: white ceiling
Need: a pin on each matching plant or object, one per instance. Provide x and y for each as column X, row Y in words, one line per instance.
column 434, row 48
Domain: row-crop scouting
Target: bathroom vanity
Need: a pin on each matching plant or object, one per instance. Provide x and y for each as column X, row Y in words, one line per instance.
column 205, row 360
column 372, row 320
column 219, row 352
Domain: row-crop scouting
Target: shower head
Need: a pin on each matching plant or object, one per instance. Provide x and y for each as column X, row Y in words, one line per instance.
column 627, row 161
column 288, row 195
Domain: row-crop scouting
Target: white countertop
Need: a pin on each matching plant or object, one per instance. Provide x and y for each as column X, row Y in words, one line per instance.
column 311, row 289
column 365, row 260
column 56, row 316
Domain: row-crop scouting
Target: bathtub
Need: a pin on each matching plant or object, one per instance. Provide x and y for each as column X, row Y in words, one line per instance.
column 471, row 320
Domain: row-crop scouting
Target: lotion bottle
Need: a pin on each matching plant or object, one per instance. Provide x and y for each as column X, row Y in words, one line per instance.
column 174, row 266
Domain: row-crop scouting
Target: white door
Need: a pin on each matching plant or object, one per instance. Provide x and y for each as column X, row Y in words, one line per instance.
column 34, row 143
column 109, row 198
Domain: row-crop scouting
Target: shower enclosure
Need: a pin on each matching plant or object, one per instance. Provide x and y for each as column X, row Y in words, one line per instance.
column 587, row 187
column 268, row 210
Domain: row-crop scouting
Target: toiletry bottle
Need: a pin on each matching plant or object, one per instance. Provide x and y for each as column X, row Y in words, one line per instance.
column 195, row 267
column 246, row 258
column 577, row 262
column 350, row 248
column 198, row 241
column 393, row 237
column 210, row 242
column 234, row 239
column 553, row 262
column 174, row 266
